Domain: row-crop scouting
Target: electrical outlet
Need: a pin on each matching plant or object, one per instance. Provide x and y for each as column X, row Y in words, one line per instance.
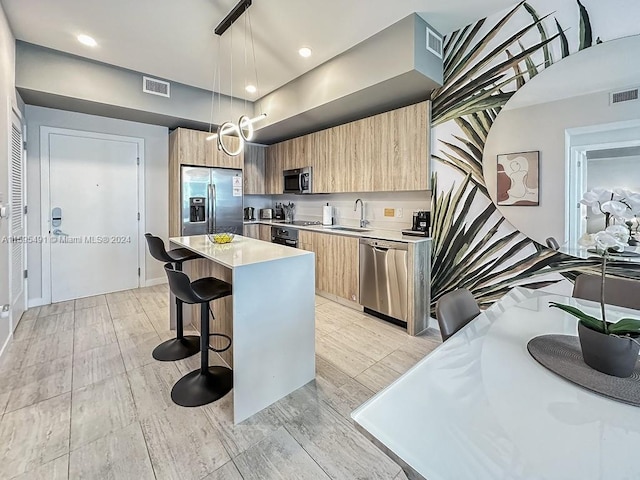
column 389, row 212
column 398, row 213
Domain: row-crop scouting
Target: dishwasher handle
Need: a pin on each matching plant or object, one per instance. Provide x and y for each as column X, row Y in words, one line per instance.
column 384, row 245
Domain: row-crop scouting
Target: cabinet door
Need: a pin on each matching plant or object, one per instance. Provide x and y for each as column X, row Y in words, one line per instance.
column 402, row 151
column 265, row 233
column 251, row 230
column 336, row 263
column 317, row 148
column 254, row 169
column 273, row 168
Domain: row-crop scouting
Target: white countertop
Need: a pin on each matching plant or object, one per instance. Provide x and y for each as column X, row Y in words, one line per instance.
column 480, row 407
column 240, row 252
column 391, row 235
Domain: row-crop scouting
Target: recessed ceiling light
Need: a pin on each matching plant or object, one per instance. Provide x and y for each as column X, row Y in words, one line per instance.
column 305, row 52
column 87, row 40
column 251, row 88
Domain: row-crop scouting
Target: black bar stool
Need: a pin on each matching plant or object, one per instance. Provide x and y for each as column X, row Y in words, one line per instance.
column 182, row 346
column 207, row 384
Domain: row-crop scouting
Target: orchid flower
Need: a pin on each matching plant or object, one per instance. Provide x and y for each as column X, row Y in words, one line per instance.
column 615, row 237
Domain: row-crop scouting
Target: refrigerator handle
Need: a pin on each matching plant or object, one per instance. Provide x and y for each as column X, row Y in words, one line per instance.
column 212, row 207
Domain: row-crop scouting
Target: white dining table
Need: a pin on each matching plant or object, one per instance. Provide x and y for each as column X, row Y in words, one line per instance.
column 480, row 407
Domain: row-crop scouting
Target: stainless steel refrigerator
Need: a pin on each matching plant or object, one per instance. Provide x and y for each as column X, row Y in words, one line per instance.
column 211, row 200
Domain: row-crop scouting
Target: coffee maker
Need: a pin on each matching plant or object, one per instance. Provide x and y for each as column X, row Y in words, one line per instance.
column 420, row 225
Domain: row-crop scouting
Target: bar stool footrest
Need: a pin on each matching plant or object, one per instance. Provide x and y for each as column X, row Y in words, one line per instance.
column 200, row 388
column 226, row 337
column 177, row 348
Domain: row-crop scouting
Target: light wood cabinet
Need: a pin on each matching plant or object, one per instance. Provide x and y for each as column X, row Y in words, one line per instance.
column 274, row 183
column 251, row 230
column 385, row 152
column 190, row 147
column 265, row 233
column 254, row 169
column 336, row 263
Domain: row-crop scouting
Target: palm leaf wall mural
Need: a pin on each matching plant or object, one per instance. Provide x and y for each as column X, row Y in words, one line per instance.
column 481, row 251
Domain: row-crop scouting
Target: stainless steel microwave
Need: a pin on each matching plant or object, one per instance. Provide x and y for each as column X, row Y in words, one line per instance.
column 298, row 181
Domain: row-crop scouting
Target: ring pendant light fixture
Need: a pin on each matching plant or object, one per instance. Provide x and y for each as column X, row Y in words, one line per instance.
column 244, row 129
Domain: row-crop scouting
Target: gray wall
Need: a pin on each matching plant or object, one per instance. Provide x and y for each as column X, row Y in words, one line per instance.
column 156, row 157
column 52, row 78
column 7, row 100
column 543, row 127
column 388, row 70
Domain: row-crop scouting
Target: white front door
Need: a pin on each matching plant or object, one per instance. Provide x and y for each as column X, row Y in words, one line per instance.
column 93, row 214
column 18, row 222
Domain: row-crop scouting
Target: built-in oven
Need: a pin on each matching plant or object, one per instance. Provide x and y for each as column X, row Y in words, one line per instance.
column 298, row 180
column 285, row 236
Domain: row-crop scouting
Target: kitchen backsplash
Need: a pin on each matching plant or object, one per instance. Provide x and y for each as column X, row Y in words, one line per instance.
column 309, row 207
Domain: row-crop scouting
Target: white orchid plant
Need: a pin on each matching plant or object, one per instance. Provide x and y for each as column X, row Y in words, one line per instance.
column 613, row 239
column 618, row 204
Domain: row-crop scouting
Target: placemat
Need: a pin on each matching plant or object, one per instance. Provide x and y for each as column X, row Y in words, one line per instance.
column 562, row 355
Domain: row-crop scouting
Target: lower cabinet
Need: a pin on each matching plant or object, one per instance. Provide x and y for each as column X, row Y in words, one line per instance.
column 252, row 230
column 257, row 231
column 265, row 233
column 336, row 263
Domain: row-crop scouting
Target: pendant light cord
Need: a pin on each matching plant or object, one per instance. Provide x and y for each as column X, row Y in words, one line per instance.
column 253, row 50
column 213, row 88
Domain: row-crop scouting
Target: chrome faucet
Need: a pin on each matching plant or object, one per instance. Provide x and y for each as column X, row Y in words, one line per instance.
column 363, row 222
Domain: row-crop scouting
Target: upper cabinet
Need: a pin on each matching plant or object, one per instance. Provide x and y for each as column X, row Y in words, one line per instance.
column 254, row 169
column 385, row 152
column 190, row 147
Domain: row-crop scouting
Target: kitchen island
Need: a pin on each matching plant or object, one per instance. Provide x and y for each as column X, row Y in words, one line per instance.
column 270, row 316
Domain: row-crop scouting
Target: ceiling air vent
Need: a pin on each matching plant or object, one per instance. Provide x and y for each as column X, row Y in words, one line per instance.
column 434, row 43
column 156, row 87
column 625, row 96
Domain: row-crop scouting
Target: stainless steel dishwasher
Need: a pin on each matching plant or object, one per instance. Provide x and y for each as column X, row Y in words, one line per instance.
column 384, row 277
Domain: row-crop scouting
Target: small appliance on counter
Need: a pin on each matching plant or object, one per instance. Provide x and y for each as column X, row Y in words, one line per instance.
column 421, row 224
column 278, row 213
column 249, row 213
column 266, row 213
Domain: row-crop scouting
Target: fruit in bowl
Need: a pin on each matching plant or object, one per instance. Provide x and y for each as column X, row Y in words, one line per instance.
column 223, row 237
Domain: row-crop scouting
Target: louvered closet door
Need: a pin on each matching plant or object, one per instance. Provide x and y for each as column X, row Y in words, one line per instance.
column 18, row 221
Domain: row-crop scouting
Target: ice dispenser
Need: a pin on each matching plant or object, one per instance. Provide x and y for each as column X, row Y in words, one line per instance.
column 197, row 209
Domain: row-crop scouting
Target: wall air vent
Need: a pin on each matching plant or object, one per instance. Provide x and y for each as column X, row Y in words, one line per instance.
column 625, row 96
column 434, row 43
column 156, row 87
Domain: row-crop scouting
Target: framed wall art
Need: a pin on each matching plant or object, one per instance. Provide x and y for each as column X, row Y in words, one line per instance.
column 518, row 179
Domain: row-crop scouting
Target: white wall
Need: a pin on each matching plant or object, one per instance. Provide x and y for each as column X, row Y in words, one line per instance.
column 543, row 127
column 156, row 157
column 7, row 101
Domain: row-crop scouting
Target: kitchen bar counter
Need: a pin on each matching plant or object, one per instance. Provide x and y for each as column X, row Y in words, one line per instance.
column 270, row 316
column 378, row 234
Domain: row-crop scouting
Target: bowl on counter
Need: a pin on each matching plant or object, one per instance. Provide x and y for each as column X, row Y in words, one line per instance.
column 223, row 237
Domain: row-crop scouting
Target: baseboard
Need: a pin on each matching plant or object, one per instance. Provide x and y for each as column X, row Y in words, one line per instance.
column 340, row 300
column 152, row 282
column 36, row 302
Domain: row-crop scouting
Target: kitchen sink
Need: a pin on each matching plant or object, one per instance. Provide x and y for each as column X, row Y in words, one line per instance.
column 351, row 229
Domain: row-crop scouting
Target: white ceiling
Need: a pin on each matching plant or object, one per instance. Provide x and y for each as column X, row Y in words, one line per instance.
column 174, row 39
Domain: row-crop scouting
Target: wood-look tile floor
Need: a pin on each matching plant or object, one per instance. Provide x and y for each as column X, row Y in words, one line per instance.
column 82, row 398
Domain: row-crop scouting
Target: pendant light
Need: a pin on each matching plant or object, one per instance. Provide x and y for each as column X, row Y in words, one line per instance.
column 244, row 129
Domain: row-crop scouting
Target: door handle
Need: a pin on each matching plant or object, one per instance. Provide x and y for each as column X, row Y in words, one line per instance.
column 212, row 207
column 60, row 233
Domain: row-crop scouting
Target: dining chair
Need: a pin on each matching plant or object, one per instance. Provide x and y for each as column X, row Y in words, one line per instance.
column 622, row 292
column 454, row 310
column 552, row 243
